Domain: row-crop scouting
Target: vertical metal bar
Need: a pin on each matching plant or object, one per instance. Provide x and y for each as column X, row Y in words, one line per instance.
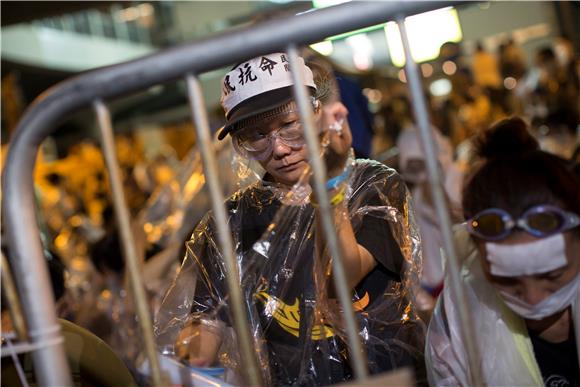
column 30, row 270
column 14, row 306
column 319, row 171
column 435, row 181
column 253, row 376
column 127, row 239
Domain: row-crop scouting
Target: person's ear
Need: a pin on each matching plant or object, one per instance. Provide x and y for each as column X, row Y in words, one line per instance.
column 317, row 106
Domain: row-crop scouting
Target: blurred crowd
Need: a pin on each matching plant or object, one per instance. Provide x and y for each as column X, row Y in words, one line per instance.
column 166, row 195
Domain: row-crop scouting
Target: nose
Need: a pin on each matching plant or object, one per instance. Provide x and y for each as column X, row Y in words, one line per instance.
column 532, row 294
column 279, row 149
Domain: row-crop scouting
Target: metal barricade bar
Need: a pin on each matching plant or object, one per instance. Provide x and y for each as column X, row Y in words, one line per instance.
column 54, row 105
column 326, row 215
column 436, row 184
column 240, row 314
column 14, row 307
column 127, row 238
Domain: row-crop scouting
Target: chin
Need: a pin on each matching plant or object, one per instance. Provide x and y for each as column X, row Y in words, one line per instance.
column 289, row 178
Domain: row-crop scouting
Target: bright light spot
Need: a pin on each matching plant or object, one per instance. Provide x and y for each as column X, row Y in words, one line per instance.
column 510, row 83
column 427, row 32
column 128, row 14
column 427, row 70
column 374, row 95
column 133, row 13
column 325, row 48
column 327, row 3
column 402, row 76
column 449, row 67
column 361, row 61
column 440, row 87
column 362, row 50
column 145, row 9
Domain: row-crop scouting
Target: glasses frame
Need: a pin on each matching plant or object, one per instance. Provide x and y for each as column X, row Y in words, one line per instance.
column 569, row 221
column 271, row 137
column 265, row 153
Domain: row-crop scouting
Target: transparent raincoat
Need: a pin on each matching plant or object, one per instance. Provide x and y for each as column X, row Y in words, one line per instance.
column 502, row 338
column 295, row 319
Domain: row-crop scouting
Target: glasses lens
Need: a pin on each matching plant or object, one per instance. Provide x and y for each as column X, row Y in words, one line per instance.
column 546, row 223
column 489, row 225
column 253, row 141
column 292, row 134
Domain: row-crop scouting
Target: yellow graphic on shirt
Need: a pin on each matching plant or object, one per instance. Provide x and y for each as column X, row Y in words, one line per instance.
column 288, row 316
column 362, row 303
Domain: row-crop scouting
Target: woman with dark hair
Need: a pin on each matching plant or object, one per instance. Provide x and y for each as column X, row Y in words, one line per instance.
column 521, row 275
column 281, row 252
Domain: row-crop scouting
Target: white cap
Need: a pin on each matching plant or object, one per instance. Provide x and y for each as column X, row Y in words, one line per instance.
column 259, row 85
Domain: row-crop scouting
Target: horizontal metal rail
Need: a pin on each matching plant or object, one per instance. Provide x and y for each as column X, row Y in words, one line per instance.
column 51, row 108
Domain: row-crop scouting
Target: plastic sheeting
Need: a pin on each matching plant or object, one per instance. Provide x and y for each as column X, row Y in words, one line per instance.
column 296, row 323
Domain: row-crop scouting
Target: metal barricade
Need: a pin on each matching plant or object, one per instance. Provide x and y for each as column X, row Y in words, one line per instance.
column 188, row 62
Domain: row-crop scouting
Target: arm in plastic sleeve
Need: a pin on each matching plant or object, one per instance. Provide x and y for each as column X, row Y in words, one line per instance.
column 444, row 363
column 381, row 209
column 193, row 308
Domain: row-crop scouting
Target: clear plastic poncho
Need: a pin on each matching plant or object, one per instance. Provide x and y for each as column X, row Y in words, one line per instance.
column 296, row 322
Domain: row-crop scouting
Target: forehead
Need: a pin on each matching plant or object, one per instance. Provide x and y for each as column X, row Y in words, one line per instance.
column 270, row 116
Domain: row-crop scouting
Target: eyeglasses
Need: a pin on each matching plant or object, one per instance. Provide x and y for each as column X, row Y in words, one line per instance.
column 252, row 142
column 540, row 221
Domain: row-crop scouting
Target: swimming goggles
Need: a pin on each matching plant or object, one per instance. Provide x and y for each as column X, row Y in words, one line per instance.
column 540, row 221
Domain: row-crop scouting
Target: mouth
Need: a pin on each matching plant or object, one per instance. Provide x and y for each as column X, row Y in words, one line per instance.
column 290, row 167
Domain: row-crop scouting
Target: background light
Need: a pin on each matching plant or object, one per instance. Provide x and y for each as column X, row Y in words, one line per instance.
column 427, row 32
column 402, row 76
column 325, row 48
column 362, row 51
column 440, row 87
column 427, row 70
column 449, row 67
column 327, row 3
column 510, row 83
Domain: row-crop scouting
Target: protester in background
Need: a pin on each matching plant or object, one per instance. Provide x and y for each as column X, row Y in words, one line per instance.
column 485, row 69
column 413, row 169
column 512, row 60
column 521, row 276
column 281, row 252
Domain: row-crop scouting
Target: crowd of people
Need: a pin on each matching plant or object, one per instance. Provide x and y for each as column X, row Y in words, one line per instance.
column 508, row 153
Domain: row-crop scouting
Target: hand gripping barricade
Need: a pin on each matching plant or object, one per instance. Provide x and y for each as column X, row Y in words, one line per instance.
column 332, row 322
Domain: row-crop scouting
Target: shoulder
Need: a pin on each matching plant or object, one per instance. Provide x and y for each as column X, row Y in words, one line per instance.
column 241, row 196
column 373, row 178
column 370, row 168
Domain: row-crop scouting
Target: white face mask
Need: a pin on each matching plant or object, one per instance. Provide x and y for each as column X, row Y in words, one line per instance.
column 549, row 306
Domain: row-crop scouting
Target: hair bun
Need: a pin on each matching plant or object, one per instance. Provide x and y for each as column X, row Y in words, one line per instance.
column 507, row 138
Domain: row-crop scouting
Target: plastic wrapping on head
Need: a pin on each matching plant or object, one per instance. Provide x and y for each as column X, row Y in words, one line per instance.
column 501, row 336
column 296, row 323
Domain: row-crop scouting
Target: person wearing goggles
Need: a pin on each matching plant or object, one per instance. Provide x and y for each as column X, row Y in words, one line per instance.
column 281, row 251
column 522, row 273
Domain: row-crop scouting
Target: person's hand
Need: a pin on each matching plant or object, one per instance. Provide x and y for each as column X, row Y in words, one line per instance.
column 198, row 344
column 336, row 134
